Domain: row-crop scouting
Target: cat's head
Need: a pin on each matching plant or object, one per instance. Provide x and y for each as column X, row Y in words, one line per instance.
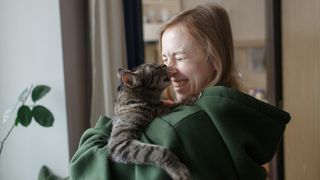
column 145, row 76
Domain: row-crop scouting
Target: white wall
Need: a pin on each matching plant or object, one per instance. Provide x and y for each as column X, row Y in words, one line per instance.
column 31, row 53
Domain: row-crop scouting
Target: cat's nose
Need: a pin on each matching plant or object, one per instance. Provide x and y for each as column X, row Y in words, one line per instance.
column 163, row 65
column 172, row 71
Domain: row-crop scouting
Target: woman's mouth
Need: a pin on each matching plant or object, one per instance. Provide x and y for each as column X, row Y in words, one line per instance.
column 179, row 83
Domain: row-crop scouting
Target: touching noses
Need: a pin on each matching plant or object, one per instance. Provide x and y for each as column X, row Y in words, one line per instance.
column 171, row 62
column 172, row 69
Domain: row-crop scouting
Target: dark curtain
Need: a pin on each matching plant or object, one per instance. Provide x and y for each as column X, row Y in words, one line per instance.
column 274, row 76
column 133, row 30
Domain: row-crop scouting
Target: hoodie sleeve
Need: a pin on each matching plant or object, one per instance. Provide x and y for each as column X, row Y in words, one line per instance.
column 250, row 128
column 91, row 159
column 91, row 162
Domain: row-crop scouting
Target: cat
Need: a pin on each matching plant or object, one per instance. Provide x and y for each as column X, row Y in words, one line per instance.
column 138, row 102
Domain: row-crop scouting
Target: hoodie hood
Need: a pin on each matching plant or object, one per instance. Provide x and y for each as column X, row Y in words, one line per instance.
column 251, row 129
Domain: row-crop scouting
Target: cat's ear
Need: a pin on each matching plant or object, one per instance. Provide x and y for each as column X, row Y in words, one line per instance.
column 121, row 71
column 128, row 78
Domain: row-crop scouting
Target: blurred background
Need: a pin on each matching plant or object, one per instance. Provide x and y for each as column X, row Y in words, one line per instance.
column 76, row 47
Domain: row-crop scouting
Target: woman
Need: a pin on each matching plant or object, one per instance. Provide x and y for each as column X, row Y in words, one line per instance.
column 224, row 134
column 199, row 43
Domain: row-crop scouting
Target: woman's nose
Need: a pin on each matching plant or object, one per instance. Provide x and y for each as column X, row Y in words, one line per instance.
column 171, row 62
column 171, row 67
column 172, row 70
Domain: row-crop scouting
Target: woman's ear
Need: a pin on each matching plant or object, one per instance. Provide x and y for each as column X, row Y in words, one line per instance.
column 128, row 78
column 216, row 66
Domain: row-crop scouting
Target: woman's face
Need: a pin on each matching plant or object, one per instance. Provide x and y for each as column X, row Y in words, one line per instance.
column 190, row 70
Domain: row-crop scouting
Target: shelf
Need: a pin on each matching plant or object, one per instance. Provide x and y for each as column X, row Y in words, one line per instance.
column 249, row 43
column 151, row 31
column 159, row 2
column 155, row 12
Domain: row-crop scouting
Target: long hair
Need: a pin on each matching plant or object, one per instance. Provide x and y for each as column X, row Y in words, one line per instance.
column 209, row 25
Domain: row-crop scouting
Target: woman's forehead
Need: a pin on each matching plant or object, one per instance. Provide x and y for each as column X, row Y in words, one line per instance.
column 176, row 40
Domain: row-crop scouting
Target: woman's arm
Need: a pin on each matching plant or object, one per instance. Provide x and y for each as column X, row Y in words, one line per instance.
column 91, row 159
column 200, row 144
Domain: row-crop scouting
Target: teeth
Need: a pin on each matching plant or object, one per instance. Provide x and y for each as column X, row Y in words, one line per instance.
column 179, row 83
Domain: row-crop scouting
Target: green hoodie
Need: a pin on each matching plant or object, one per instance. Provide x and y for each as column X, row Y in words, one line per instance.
column 226, row 135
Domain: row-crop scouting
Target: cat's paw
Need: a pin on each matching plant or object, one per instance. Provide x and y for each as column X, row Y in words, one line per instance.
column 180, row 172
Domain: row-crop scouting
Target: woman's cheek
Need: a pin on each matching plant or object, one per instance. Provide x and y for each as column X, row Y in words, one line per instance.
column 186, row 68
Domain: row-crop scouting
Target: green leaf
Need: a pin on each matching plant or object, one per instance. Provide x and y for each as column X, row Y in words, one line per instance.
column 16, row 123
column 44, row 172
column 24, row 116
column 43, row 116
column 39, row 91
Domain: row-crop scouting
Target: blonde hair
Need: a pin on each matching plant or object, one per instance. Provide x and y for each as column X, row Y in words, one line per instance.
column 209, row 25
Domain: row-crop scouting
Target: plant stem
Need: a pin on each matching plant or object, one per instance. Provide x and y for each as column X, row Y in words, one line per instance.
column 5, row 138
column 23, row 101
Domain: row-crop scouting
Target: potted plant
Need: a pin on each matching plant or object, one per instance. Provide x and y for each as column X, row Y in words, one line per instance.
column 26, row 113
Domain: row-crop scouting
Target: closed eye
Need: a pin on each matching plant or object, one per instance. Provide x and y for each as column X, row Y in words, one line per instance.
column 180, row 58
column 164, row 60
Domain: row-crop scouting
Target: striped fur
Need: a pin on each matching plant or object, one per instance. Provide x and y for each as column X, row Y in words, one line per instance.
column 137, row 104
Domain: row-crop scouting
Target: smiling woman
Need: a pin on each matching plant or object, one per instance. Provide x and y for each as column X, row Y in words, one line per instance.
column 222, row 134
column 202, row 54
column 192, row 71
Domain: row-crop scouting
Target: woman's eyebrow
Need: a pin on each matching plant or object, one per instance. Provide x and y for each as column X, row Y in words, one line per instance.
column 176, row 53
column 180, row 52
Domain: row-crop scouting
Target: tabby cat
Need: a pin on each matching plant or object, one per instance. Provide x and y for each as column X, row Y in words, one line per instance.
column 138, row 103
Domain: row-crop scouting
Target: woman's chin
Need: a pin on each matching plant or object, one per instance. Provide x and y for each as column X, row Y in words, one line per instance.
column 180, row 98
column 182, row 93
column 182, row 90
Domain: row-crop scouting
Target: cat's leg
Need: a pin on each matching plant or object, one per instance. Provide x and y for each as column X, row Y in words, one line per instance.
column 142, row 153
